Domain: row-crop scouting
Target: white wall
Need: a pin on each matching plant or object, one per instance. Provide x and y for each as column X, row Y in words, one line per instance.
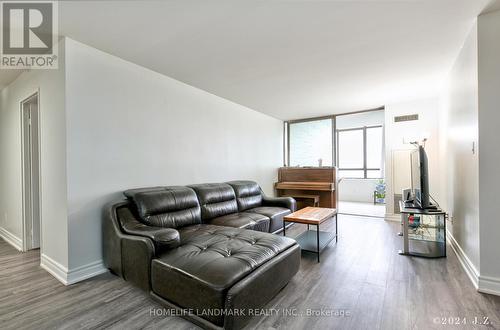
column 489, row 148
column 458, row 165
column 470, row 181
column 50, row 84
column 397, row 134
column 131, row 127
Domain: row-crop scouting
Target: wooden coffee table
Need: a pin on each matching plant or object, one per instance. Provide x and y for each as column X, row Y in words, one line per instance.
column 313, row 240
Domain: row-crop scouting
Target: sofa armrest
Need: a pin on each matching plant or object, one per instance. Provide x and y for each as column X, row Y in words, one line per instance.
column 128, row 256
column 163, row 238
column 136, row 255
column 286, row 202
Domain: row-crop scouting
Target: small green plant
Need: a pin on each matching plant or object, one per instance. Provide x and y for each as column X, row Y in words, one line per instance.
column 380, row 191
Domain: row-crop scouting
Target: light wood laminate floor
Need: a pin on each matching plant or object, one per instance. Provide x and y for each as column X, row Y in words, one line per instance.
column 359, row 208
column 362, row 276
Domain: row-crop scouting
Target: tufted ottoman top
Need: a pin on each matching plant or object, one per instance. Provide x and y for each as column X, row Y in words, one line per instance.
column 209, row 260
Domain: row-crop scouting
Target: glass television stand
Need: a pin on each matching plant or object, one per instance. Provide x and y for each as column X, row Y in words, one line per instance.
column 424, row 232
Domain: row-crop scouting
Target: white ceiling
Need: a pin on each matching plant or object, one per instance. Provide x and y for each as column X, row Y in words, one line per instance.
column 289, row 59
column 493, row 6
column 8, row 76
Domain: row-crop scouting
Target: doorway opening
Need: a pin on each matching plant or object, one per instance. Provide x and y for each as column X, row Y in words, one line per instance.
column 31, row 172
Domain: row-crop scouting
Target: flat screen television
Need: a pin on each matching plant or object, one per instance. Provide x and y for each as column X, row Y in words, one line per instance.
column 420, row 178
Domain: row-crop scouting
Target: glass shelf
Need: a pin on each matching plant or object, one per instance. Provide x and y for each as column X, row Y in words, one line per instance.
column 424, row 232
column 431, row 234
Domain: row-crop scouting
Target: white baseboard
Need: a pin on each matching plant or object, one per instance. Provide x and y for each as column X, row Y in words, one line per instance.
column 86, row 271
column 57, row 270
column 490, row 285
column 464, row 260
column 12, row 239
column 68, row 277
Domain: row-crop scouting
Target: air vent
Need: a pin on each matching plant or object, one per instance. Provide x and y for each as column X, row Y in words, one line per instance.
column 398, row 119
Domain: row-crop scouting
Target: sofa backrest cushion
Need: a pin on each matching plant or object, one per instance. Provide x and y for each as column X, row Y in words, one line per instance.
column 216, row 199
column 248, row 194
column 130, row 194
column 169, row 207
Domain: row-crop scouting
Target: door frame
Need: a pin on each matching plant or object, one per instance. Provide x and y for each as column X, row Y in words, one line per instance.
column 26, row 244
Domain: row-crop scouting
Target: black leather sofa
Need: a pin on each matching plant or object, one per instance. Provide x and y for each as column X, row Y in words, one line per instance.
column 204, row 250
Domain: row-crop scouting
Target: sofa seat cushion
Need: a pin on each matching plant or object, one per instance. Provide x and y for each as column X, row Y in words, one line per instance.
column 247, row 220
column 208, row 262
column 275, row 213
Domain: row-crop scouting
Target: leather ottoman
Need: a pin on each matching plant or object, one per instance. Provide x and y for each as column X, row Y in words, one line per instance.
column 217, row 270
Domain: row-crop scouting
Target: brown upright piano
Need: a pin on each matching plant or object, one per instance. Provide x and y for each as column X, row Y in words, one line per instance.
column 310, row 186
